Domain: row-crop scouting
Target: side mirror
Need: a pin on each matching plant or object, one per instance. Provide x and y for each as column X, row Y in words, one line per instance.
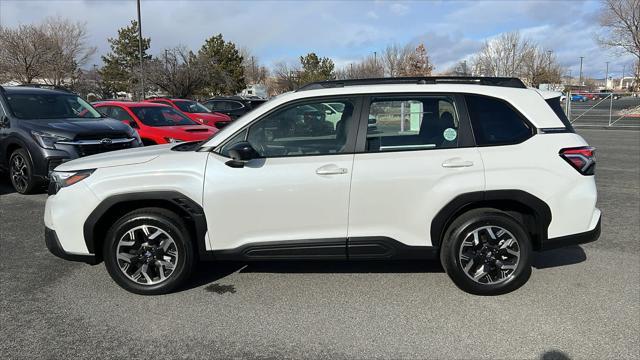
column 4, row 121
column 240, row 153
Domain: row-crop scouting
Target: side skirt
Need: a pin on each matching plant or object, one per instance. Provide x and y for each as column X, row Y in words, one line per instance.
column 362, row 248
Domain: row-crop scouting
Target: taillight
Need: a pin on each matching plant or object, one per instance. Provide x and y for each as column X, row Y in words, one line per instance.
column 582, row 159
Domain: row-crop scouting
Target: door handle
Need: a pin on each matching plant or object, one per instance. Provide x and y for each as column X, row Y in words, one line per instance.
column 331, row 170
column 456, row 164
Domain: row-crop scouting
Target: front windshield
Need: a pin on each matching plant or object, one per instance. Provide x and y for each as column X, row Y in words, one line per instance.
column 161, row 116
column 189, row 106
column 50, row 106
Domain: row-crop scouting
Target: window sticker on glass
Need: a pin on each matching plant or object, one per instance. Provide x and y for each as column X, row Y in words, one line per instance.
column 450, row 134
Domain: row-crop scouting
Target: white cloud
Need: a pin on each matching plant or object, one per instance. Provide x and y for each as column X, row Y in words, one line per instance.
column 372, row 14
column 399, row 9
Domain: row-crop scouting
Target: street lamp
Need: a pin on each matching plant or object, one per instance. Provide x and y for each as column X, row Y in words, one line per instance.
column 140, row 49
column 606, row 77
column 580, row 81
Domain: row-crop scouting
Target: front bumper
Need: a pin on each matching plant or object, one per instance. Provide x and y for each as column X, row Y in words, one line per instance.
column 53, row 244
column 573, row 239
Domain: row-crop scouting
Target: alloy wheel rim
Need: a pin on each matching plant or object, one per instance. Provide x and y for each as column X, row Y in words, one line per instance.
column 489, row 255
column 19, row 173
column 147, row 255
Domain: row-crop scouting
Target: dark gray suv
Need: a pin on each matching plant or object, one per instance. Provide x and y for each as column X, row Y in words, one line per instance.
column 41, row 128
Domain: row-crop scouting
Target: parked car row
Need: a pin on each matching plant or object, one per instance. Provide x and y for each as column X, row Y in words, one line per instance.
column 42, row 127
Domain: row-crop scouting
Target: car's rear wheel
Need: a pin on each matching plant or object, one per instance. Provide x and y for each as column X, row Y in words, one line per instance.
column 21, row 172
column 148, row 251
column 487, row 252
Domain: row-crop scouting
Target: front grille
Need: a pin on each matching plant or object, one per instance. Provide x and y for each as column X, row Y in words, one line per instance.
column 102, row 136
column 86, row 150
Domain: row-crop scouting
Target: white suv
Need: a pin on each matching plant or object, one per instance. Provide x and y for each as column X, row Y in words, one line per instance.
column 478, row 171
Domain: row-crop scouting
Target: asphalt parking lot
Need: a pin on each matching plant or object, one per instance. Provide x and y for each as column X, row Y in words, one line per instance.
column 580, row 303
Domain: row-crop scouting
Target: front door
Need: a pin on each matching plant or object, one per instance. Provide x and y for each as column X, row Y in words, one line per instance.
column 294, row 199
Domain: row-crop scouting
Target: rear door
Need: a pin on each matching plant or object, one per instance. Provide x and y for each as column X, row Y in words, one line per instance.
column 418, row 157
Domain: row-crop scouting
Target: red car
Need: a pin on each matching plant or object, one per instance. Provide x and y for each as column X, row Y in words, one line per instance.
column 156, row 123
column 195, row 111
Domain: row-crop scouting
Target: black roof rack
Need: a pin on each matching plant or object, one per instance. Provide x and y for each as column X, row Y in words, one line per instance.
column 46, row 86
column 490, row 81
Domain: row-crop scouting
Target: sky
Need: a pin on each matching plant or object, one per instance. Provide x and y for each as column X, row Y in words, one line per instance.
column 345, row 31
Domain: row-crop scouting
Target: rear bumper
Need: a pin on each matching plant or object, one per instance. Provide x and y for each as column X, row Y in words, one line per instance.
column 573, row 239
column 53, row 244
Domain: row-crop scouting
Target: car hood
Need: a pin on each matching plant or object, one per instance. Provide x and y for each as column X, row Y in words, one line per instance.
column 116, row 158
column 186, row 132
column 209, row 116
column 72, row 128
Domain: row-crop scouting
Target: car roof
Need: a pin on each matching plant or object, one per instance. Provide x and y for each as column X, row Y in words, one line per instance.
column 33, row 90
column 527, row 101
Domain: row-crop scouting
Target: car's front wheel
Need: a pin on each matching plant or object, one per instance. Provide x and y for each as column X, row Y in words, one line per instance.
column 487, row 252
column 21, row 172
column 148, row 251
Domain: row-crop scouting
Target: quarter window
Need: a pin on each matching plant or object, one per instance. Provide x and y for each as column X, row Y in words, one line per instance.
column 494, row 122
column 312, row 128
column 413, row 123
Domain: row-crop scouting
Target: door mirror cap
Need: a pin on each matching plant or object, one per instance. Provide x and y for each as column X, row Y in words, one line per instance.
column 240, row 153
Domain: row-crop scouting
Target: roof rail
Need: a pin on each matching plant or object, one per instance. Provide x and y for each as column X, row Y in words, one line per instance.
column 489, row 81
column 46, row 86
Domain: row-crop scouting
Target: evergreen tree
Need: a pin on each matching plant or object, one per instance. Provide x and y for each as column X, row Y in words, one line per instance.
column 315, row 68
column 121, row 66
column 224, row 66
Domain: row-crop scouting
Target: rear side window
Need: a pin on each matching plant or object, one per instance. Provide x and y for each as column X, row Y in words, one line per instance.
column 412, row 123
column 555, row 105
column 494, row 122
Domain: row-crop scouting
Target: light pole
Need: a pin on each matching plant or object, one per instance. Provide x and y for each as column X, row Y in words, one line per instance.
column 580, row 81
column 140, row 49
column 606, row 77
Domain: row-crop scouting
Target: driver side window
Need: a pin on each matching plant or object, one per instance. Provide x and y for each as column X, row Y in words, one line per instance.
column 312, row 128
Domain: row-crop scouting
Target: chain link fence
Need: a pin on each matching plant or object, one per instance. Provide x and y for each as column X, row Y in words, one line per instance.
column 599, row 109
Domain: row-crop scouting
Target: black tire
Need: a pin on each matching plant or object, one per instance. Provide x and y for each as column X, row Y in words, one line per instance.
column 21, row 172
column 463, row 227
column 164, row 220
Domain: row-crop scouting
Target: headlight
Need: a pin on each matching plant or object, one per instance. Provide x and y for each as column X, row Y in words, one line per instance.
column 66, row 178
column 172, row 140
column 47, row 140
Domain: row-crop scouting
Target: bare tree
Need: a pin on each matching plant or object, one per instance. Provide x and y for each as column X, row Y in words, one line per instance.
column 178, row 71
column 503, row 56
column 254, row 73
column 417, row 63
column 461, row 68
column 621, row 22
column 286, row 77
column 68, row 49
column 24, row 52
column 540, row 66
column 367, row 68
column 395, row 58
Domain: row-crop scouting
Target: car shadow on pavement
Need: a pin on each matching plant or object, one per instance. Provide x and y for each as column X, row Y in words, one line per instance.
column 5, row 185
column 558, row 257
column 554, row 355
column 209, row 273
